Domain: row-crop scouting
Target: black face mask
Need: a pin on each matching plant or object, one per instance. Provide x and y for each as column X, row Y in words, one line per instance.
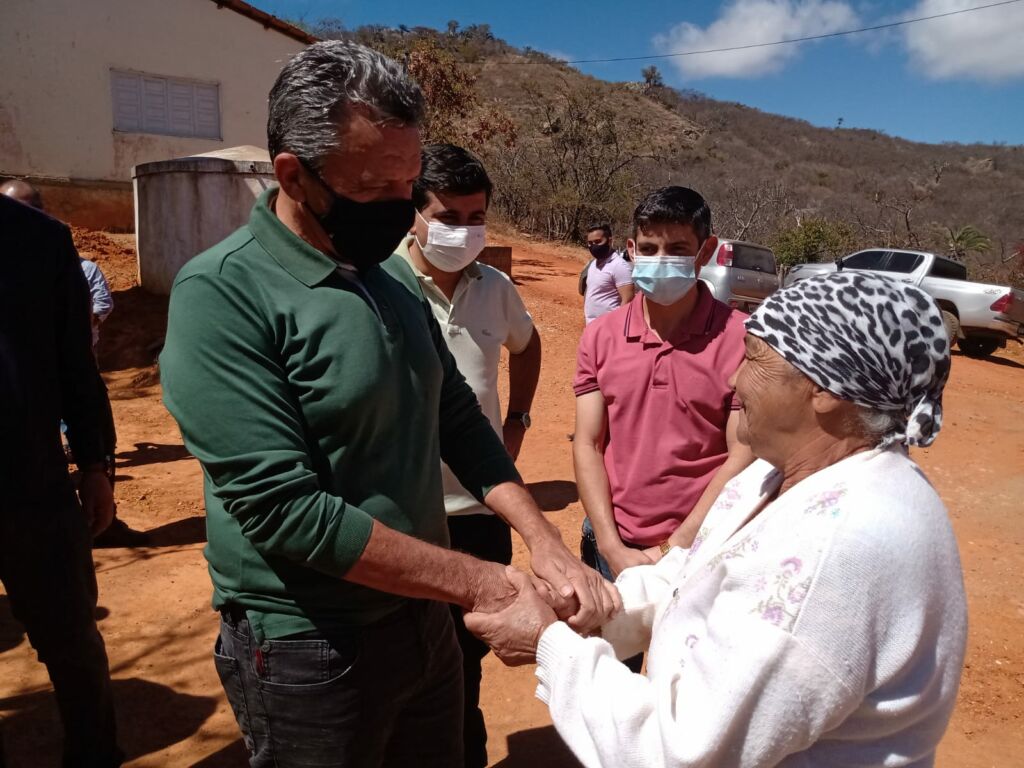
column 365, row 234
column 599, row 251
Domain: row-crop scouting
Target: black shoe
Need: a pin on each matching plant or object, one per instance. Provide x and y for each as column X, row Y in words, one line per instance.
column 118, row 534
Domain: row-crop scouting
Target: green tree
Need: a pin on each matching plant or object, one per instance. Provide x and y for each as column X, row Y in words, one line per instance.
column 813, row 240
column 967, row 240
column 652, row 77
column 576, row 159
column 454, row 112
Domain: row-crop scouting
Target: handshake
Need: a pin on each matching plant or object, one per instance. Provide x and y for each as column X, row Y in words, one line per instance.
column 513, row 609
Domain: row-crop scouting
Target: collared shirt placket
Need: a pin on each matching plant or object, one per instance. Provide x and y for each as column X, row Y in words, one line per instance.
column 451, row 325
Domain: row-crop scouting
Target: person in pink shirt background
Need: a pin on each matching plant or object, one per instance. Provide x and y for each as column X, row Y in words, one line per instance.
column 656, row 419
column 608, row 277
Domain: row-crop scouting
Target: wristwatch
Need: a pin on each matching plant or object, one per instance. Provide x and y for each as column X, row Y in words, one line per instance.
column 523, row 417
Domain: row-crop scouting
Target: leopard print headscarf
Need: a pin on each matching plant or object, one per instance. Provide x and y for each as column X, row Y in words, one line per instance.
column 865, row 338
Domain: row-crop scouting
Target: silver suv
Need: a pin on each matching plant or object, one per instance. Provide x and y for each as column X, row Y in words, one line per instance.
column 741, row 274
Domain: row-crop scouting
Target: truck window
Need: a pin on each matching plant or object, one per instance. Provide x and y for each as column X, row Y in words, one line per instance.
column 865, row 260
column 901, row 261
column 749, row 257
column 951, row 270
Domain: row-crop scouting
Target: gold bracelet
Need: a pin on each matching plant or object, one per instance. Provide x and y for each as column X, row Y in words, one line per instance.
column 665, row 547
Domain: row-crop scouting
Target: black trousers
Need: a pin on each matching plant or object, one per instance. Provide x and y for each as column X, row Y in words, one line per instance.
column 388, row 694
column 489, row 538
column 46, row 567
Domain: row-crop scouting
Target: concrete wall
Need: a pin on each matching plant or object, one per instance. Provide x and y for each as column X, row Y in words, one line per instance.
column 93, row 204
column 185, row 209
column 56, row 112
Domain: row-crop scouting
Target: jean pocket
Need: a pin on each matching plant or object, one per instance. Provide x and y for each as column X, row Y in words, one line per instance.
column 230, row 678
column 302, row 665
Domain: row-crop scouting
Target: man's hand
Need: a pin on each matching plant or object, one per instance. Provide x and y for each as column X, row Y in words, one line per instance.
column 514, row 632
column 97, row 499
column 622, row 557
column 513, row 432
column 494, row 591
column 598, row 598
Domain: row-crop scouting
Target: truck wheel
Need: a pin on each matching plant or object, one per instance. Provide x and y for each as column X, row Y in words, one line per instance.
column 976, row 347
column 952, row 323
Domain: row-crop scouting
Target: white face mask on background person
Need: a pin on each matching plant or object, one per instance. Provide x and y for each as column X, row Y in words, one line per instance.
column 451, row 248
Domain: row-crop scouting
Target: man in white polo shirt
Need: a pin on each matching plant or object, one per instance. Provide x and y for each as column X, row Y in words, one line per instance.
column 479, row 311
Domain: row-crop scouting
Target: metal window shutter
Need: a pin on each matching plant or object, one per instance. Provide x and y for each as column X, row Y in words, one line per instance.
column 154, row 105
column 126, row 96
column 207, row 111
column 180, row 101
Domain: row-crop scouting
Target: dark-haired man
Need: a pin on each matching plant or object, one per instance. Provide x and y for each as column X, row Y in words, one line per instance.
column 479, row 311
column 315, row 389
column 655, row 416
column 607, row 281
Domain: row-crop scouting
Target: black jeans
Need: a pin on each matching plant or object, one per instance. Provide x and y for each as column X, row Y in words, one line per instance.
column 591, row 555
column 387, row 694
column 46, row 567
column 489, row 538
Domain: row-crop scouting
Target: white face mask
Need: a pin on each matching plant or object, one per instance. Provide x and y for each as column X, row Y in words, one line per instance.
column 450, row 248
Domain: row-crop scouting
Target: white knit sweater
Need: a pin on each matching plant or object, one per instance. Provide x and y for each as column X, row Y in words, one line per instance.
column 829, row 630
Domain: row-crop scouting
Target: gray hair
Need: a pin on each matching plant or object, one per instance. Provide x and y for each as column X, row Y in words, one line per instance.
column 315, row 89
column 878, row 426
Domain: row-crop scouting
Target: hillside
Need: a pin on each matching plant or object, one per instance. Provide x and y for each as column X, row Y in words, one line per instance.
column 566, row 149
column 764, row 173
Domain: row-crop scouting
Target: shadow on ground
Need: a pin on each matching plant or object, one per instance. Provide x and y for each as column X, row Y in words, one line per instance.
column 11, row 632
column 538, row 748
column 152, row 453
column 231, row 756
column 554, row 495
column 150, row 718
column 189, row 530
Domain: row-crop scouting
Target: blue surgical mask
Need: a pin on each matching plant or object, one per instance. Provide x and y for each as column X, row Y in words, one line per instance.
column 664, row 279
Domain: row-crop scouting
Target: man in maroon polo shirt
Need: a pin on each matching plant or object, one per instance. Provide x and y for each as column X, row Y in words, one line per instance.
column 655, row 417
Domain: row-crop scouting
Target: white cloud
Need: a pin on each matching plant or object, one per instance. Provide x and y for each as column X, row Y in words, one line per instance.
column 743, row 22
column 560, row 55
column 983, row 45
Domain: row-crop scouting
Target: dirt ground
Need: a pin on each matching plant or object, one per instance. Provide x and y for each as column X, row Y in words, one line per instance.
column 154, row 602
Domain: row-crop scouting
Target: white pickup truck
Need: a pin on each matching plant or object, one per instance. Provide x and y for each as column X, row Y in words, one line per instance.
column 980, row 317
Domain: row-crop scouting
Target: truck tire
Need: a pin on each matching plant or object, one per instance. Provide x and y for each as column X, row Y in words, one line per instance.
column 978, row 347
column 952, row 323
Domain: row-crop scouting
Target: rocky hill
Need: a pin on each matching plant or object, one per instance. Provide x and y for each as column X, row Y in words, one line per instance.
column 565, row 149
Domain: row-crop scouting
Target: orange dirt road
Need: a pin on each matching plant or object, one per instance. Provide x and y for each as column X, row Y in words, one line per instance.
column 159, row 628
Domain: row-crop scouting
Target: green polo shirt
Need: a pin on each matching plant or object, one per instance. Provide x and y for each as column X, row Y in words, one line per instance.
column 313, row 411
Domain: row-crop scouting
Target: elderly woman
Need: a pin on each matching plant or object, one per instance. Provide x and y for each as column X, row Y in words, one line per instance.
column 819, row 618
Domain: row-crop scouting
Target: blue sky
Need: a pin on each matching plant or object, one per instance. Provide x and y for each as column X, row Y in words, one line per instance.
column 959, row 78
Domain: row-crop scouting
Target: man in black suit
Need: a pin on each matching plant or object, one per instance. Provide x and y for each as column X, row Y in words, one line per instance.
column 48, row 374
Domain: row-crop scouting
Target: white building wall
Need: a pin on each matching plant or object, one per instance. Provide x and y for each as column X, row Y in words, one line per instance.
column 56, row 111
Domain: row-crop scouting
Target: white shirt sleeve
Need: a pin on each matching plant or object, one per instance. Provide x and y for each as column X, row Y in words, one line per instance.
column 747, row 693
column 642, row 588
column 518, row 321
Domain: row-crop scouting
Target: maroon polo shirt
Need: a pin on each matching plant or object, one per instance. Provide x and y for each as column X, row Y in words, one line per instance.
column 668, row 403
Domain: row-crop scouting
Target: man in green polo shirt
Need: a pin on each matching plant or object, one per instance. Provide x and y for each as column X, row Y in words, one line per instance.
column 317, row 393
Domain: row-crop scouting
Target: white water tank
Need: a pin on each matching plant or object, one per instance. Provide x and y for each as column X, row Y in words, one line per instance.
column 186, row 205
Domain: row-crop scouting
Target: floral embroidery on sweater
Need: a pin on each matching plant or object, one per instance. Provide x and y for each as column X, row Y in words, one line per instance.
column 827, row 503
column 726, row 500
column 747, row 544
column 785, row 594
column 702, row 534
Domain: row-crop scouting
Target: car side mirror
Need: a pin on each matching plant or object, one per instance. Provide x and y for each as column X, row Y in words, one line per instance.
column 839, row 265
